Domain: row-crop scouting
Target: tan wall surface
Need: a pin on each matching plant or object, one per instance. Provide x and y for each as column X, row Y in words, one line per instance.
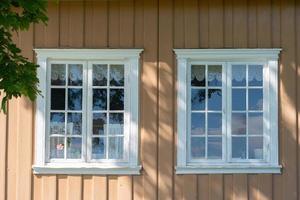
column 158, row 26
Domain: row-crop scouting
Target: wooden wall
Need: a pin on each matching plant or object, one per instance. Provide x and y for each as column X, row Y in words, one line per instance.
column 158, row 26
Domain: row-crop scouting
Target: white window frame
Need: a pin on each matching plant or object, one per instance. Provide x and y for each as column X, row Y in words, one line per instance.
column 130, row 59
column 226, row 57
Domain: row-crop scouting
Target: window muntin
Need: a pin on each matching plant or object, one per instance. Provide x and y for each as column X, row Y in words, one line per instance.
column 101, row 106
column 247, row 112
column 206, row 107
column 66, row 110
column 209, row 130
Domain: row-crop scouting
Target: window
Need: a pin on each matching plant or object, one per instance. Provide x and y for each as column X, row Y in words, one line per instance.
column 87, row 116
column 227, row 111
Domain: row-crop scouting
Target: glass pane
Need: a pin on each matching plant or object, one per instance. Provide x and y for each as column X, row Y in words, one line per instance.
column 57, row 146
column 214, row 123
column 255, row 123
column 255, row 75
column 256, row 148
column 238, row 75
column 198, row 99
column 239, row 147
column 74, row 99
column 238, row 99
column 214, row 99
column 74, row 124
column 214, row 147
column 75, row 74
column 198, row 124
column 115, row 150
column 214, row 75
column 99, row 124
column 74, row 148
column 255, row 99
column 58, row 74
column 238, row 123
column 116, row 123
column 99, row 99
column 100, row 75
column 116, row 99
column 98, row 149
column 116, row 75
column 57, row 123
column 198, row 75
column 58, row 96
column 198, row 147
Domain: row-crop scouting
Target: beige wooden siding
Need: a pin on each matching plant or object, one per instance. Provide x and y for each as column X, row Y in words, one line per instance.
column 158, row 26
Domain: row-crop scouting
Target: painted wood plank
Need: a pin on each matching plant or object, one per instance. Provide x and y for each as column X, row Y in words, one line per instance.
column 37, row 187
column 62, row 186
column 191, row 24
column 240, row 190
column 298, row 87
column 126, row 24
column 99, row 188
column 114, row 24
column 87, row 187
column 49, row 187
column 178, row 24
column 204, row 23
column 253, row 187
column 74, row 187
column 216, row 187
column 190, row 190
column 165, row 108
column 96, row 24
column 3, row 160
column 203, row 187
column 113, row 188
column 148, row 118
column 228, row 24
column 288, row 120
column 124, row 187
column 215, row 22
column 252, row 24
column 228, row 187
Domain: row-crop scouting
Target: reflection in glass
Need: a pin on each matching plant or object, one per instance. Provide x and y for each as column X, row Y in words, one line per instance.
column 198, row 75
column 74, row 147
column 198, row 124
column 214, row 123
column 116, row 75
column 115, row 148
column 255, row 123
column 98, row 148
column 57, row 147
column 99, row 99
column 238, row 75
column 100, row 75
column 116, row 121
column 58, row 74
column 75, row 74
column 239, row 147
column 214, row 99
column 238, row 99
column 255, row 99
column 214, row 147
column 74, row 99
column 198, row 99
column 99, row 124
column 238, row 124
column 255, row 147
column 74, row 124
column 58, row 96
column 57, row 123
column 116, row 99
column 255, row 74
column 214, row 76
column 198, row 147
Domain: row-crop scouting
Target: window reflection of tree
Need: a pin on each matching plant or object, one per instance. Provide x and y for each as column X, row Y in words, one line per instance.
column 75, row 99
column 116, row 99
column 99, row 99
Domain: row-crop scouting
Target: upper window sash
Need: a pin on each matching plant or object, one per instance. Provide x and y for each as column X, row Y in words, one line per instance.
column 129, row 57
column 185, row 57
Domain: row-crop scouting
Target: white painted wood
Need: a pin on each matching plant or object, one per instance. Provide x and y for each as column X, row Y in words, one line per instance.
column 267, row 57
column 130, row 59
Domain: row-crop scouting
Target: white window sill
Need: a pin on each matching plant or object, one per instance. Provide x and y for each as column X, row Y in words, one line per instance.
column 229, row 169
column 87, row 170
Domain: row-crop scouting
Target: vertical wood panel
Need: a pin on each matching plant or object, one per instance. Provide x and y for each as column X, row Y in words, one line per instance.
column 49, row 188
column 3, row 135
column 62, row 186
column 74, row 188
column 203, row 187
column 165, row 103
column 204, row 25
column 112, row 188
column 288, row 119
column 148, row 120
column 96, row 24
column 124, row 188
column 37, row 187
column 298, row 89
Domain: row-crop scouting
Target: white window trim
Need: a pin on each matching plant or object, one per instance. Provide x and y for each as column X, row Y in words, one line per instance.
column 187, row 56
column 130, row 57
